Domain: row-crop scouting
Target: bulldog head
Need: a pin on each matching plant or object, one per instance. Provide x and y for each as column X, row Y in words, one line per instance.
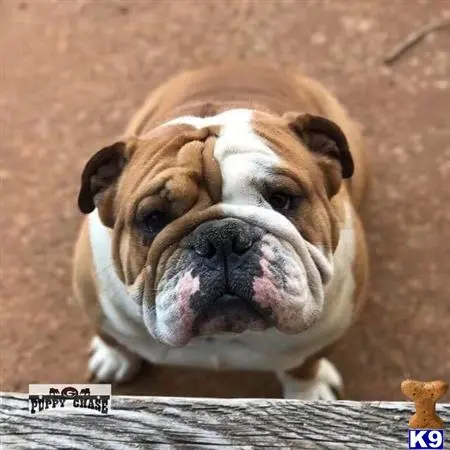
column 224, row 223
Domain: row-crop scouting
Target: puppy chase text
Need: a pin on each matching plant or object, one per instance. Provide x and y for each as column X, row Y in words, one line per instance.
column 79, row 398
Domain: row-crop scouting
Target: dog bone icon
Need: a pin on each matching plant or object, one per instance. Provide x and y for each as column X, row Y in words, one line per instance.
column 425, row 394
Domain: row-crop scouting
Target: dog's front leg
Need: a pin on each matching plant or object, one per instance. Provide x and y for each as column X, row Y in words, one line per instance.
column 110, row 362
column 316, row 379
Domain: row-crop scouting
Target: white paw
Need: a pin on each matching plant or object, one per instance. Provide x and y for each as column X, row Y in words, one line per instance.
column 107, row 364
column 318, row 388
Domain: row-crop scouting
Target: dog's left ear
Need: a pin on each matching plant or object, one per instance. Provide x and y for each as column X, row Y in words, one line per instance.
column 323, row 137
column 98, row 181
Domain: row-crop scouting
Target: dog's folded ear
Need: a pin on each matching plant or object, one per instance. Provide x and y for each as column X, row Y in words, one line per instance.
column 98, row 180
column 323, row 137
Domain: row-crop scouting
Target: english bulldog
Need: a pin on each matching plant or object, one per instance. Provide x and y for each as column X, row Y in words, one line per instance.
column 222, row 230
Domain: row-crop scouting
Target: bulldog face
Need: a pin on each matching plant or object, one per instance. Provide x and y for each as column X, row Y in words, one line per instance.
column 224, row 223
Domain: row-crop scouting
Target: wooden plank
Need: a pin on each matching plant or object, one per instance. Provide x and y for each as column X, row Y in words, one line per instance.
column 166, row 422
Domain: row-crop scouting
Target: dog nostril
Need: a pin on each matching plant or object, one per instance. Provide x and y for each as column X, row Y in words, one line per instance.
column 210, row 250
column 206, row 249
column 241, row 245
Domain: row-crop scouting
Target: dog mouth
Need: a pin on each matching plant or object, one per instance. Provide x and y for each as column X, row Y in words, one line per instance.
column 231, row 314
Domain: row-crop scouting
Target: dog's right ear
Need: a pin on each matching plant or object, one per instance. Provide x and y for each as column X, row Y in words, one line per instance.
column 99, row 179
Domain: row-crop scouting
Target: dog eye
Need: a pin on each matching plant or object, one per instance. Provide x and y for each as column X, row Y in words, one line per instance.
column 153, row 222
column 280, row 201
column 284, row 203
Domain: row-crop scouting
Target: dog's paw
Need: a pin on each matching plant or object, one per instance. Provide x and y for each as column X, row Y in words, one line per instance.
column 326, row 385
column 107, row 364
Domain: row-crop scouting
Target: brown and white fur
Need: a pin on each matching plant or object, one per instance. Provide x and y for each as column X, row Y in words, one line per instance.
column 211, row 147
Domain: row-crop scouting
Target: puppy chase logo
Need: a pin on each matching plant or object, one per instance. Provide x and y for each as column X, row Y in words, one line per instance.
column 426, row 428
column 76, row 398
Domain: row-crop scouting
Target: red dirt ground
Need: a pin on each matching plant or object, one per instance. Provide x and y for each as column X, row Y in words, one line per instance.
column 73, row 72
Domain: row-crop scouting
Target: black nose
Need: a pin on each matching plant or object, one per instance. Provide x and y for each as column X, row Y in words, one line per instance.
column 224, row 238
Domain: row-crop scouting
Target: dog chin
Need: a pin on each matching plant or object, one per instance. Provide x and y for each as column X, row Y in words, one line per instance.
column 235, row 320
column 180, row 332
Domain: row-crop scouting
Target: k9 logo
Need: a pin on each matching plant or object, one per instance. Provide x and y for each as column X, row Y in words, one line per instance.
column 426, row 439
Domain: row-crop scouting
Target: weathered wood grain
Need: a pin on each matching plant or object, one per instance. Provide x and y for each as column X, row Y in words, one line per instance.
column 165, row 422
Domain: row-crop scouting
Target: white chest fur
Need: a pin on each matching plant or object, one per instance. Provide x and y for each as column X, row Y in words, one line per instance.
column 266, row 350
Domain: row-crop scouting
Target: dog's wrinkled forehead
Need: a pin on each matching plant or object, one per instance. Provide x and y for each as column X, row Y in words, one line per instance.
column 243, row 156
column 228, row 158
column 201, row 161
